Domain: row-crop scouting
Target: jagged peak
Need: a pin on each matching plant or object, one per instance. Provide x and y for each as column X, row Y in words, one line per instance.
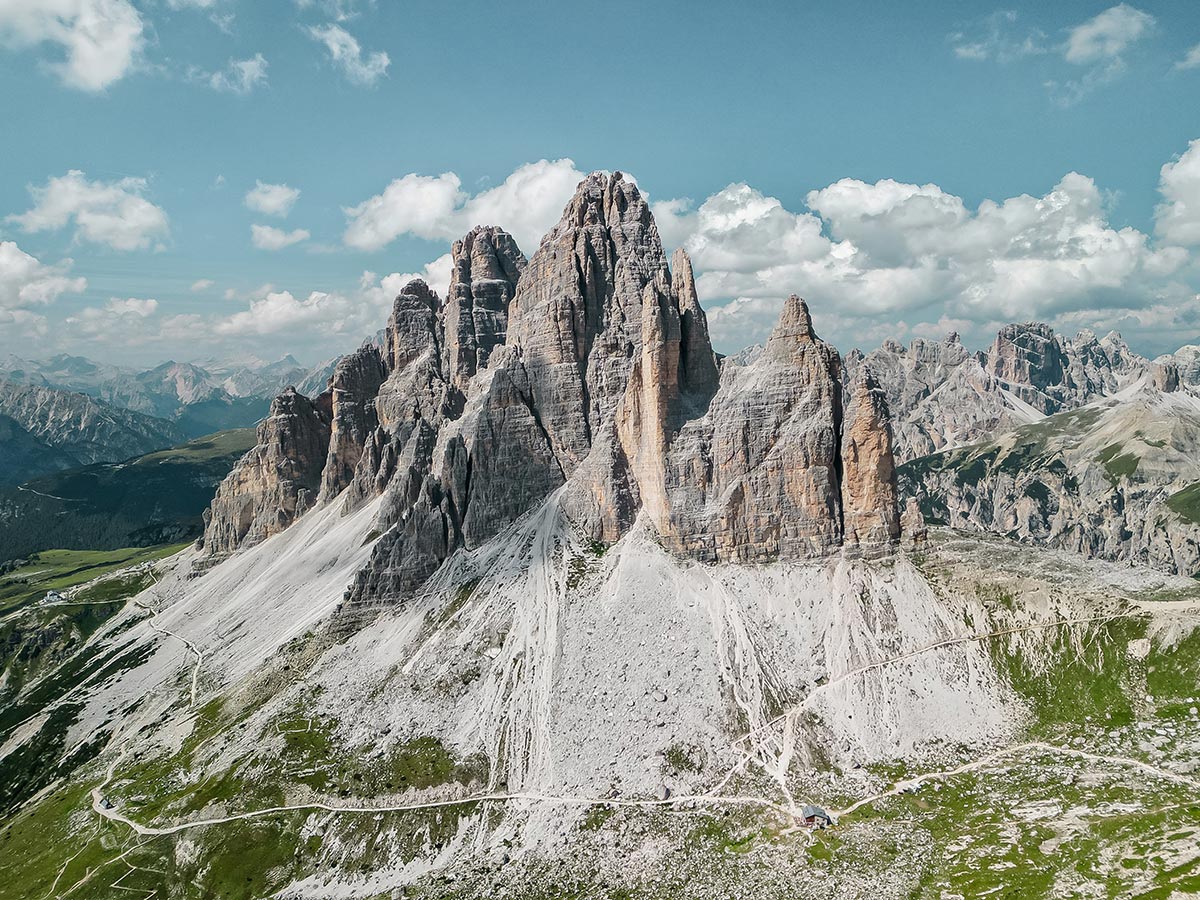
column 793, row 328
column 684, row 279
column 417, row 290
column 605, row 200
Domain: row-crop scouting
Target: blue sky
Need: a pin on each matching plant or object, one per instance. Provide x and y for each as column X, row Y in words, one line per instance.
column 841, row 150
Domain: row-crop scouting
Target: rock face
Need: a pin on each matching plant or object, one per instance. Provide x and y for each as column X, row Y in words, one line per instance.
column 1114, row 479
column 588, row 371
column 943, row 396
column 353, row 388
column 487, row 266
column 758, row 476
column 869, row 468
column 276, row 481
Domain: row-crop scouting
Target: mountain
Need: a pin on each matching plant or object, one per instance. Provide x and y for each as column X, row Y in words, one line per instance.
column 539, row 598
column 942, row 396
column 585, row 372
column 199, row 399
column 74, row 429
column 1115, row 478
column 157, row 498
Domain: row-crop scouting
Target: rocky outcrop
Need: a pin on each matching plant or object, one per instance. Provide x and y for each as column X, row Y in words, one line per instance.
column 486, row 267
column 1114, row 479
column 353, row 388
column 758, row 476
column 698, row 364
column 870, row 510
column 942, row 396
column 588, row 371
column 276, row 481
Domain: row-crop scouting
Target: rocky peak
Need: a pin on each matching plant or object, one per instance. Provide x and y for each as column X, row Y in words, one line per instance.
column 576, row 319
column 487, row 265
column 1028, row 354
column 413, row 327
column 699, row 373
column 277, row 480
column 353, row 388
column 589, row 369
column 869, row 498
column 793, row 330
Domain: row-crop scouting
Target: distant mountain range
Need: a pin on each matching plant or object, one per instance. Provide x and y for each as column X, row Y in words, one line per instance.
column 70, row 411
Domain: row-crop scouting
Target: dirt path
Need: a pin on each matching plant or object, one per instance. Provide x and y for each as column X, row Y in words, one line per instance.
column 909, row 784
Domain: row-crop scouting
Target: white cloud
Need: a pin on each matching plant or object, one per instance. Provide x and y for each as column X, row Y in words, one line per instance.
column 999, row 38
column 100, row 39
column 1191, row 60
column 350, row 315
column 1177, row 219
column 132, row 307
column 26, row 282
column 265, row 237
column 1107, row 35
column 526, row 205
column 104, row 212
column 240, row 76
column 272, row 199
column 341, row 10
column 895, row 250
column 200, row 285
column 347, row 55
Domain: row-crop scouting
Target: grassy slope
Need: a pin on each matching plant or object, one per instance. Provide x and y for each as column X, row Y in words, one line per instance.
column 46, row 653
column 152, row 499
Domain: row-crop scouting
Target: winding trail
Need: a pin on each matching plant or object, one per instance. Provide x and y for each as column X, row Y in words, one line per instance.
column 712, row 798
column 909, row 784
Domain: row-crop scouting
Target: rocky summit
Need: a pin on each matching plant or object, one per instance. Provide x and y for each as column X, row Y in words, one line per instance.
column 585, row 370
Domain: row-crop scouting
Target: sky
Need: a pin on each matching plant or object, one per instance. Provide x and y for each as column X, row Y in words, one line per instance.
column 190, row 179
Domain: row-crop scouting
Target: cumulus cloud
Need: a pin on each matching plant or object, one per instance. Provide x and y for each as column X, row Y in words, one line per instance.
column 114, row 213
column 351, row 314
column 100, row 40
column 201, row 284
column 27, row 282
column 134, row 322
column 913, row 253
column 240, row 76
column 272, row 199
column 264, row 237
column 1177, row 218
column 526, row 205
column 344, row 51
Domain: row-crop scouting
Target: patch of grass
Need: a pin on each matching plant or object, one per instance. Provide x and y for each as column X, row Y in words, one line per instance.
column 58, row 570
column 684, row 758
column 1089, row 675
column 1186, row 503
column 1118, row 465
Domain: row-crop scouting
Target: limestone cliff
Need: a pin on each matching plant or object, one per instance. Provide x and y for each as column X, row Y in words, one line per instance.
column 277, row 480
column 587, row 370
